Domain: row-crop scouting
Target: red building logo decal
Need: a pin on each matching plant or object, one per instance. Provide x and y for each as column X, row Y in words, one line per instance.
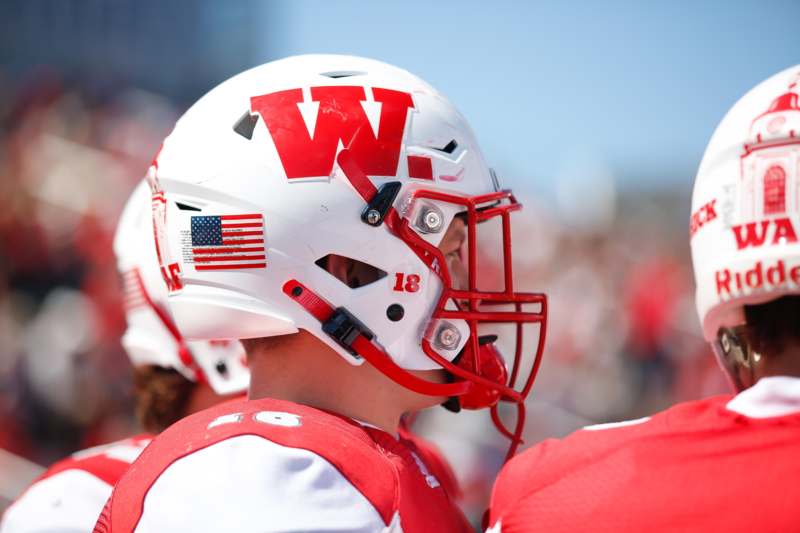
column 770, row 162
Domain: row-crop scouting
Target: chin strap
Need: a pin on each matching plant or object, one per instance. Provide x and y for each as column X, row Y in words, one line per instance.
column 354, row 337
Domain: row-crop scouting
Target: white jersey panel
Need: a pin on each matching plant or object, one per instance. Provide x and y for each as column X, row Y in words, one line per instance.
column 250, row 484
column 770, row 396
column 67, row 502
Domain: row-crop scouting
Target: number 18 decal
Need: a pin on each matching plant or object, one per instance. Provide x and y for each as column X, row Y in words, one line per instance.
column 406, row 282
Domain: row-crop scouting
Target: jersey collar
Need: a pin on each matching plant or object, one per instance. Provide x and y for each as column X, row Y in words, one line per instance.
column 769, row 397
column 363, row 424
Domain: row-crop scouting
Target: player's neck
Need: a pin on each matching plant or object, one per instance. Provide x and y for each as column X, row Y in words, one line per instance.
column 304, row 370
column 784, row 363
column 202, row 397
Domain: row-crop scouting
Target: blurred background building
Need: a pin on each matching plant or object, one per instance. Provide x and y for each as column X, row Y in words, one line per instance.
column 596, row 114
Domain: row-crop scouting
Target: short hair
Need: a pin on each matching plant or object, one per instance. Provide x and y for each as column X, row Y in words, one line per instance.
column 161, row 396
column 774, row 325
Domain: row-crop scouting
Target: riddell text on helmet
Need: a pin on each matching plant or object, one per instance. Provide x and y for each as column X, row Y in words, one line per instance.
column 732, row 282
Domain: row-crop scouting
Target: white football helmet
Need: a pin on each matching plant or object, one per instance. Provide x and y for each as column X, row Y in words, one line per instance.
column 151, row 337
column 288, row 163
column 746, row 207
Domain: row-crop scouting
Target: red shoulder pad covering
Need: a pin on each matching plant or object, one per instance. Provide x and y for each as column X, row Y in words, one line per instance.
column 102, row 462
column 343, row 443
column 103, row 524
column 434, row 460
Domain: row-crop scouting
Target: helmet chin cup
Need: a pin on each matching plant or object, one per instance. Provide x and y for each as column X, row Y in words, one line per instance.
column 487, row 363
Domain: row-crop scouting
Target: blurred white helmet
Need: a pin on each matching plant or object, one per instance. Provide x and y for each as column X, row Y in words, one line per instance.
column 151, row 337
column 746, row 206
column 286, row 164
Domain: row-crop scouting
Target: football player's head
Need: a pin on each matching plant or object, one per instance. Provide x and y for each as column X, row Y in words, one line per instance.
column 743, row 230
column 341, row 196
column 170, row 372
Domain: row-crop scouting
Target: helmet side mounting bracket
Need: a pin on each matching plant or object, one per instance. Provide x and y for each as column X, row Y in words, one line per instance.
column 375, row 212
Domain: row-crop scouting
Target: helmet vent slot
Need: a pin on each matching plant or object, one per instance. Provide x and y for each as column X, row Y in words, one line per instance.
column 245, row 125
column 449, row 148
column 187, row 207
column 351, row 272
column 336, row 74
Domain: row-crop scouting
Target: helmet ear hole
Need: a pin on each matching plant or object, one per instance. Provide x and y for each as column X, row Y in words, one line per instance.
column 395, row 312
column 351, row 272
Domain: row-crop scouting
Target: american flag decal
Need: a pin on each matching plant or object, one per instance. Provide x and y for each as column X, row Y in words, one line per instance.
column 228, row 242
column 133, row 295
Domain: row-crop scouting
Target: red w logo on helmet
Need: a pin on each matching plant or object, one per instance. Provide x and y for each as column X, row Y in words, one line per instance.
column 340, row 117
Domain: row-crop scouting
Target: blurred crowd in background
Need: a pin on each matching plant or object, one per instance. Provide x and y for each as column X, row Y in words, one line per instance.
column 68, row 160
column 622, row 338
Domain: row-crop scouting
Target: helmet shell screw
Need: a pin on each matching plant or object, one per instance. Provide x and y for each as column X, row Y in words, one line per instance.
column 447, row 337
column 373, row 216
column 430, row 219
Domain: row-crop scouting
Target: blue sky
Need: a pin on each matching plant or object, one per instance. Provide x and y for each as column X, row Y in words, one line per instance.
column 636, row 87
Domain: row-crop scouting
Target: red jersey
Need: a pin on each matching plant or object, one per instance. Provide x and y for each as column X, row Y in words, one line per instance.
column 433, row 460
column 70, row 494
column 269, row 465
column 719, row 464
